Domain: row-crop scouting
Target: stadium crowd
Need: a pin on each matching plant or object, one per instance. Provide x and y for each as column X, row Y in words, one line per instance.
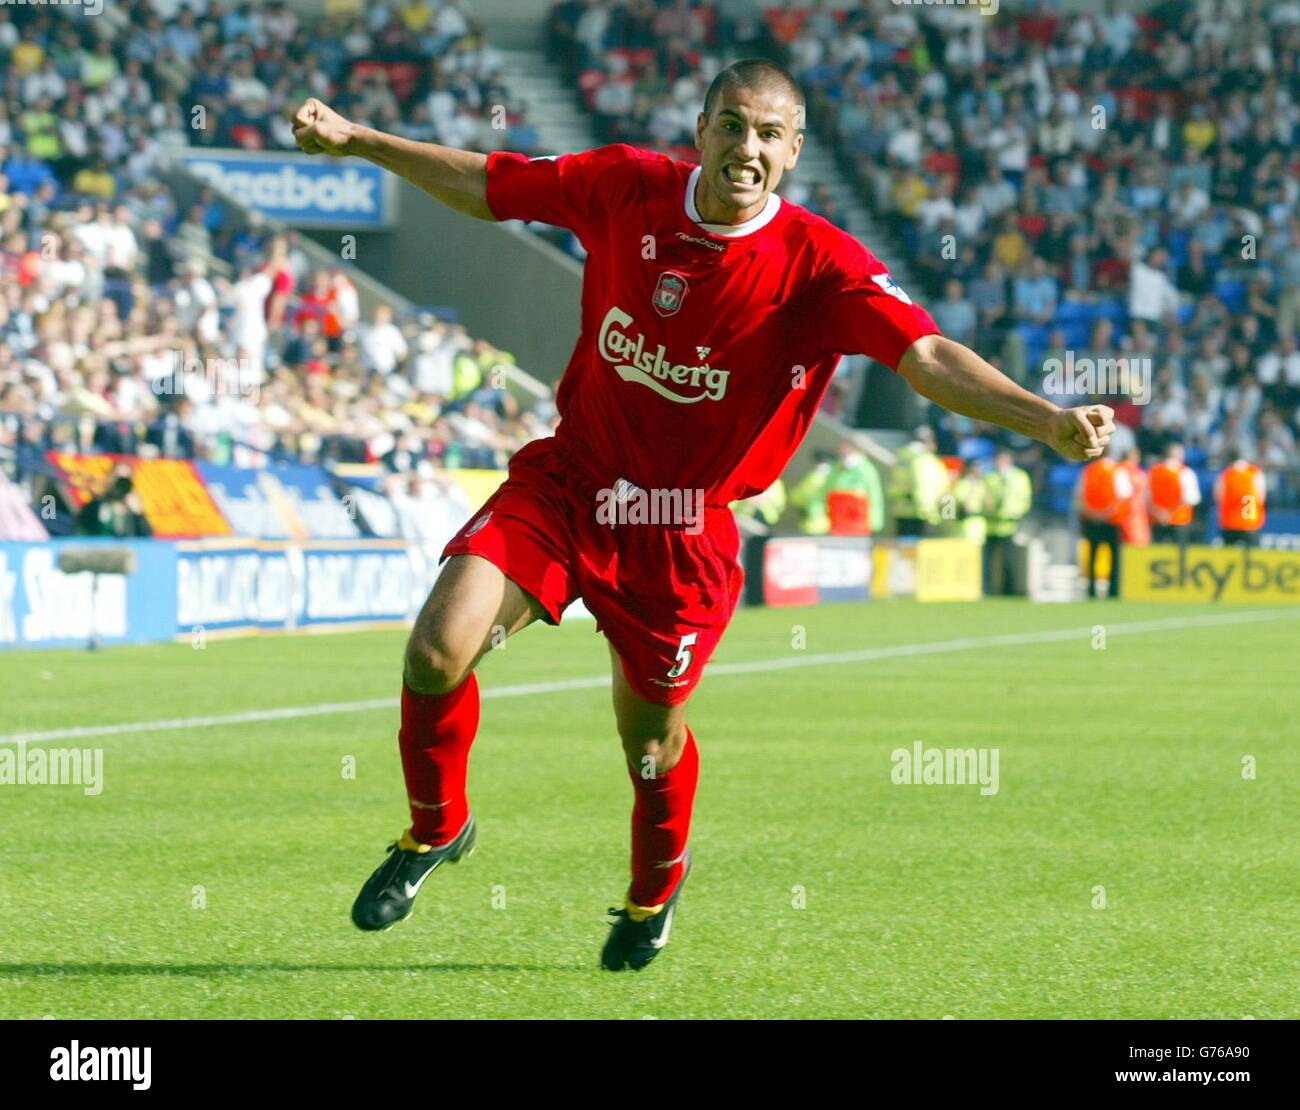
column 132, row 322
column 1097, row 186
column 86, row 96
column 1086, row 187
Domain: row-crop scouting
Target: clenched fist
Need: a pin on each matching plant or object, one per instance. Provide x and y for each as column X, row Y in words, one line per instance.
column 1083, row 432
column 321, row 130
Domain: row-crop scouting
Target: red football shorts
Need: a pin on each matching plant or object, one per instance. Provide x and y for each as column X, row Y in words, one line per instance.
column 662, row 593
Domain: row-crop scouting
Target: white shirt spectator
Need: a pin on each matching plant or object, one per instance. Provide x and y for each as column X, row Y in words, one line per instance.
column 382, row 347
column 248, row 325
column 113, row 141
column 347, row 305
column 44, row 82
column 158, row 368
column 1012, row 144
column 196, row 309
column 969, row 219
column 1119, row 29
column 934, row 210
column 131, row 396
column 849, row 49
column 280, row 26
column 1285, row 14
column 1200, row 424
column 806, row 51
column 1227, row 444
column 591, row 28
column 248, row 92
column 62, row 274
column 615, row 97
column 1277, row 447
column 94, row 239
column 120, row 248
column 1186, row 206
column 460, row 131
column 965, row 48
column 1244, row 399
column 76, row 141
column 1173, row 413
column 898, row 25
column 431, row 367
column 1277, row 365
column 1151, row 295
column 442, row 107
column 450, row 21
column 170, row 9
column 905, row 144
column 938, row 130
column 995, row 197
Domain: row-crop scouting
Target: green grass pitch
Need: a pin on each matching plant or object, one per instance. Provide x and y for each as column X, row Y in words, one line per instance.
column 821, row 888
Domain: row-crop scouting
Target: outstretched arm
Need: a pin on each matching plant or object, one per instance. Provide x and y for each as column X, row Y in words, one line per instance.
column 958, row 379
column 458, row 178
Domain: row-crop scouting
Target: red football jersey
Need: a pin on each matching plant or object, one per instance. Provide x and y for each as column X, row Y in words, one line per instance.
column 705, row 348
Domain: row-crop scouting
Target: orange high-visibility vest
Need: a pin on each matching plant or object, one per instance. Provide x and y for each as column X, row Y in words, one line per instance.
column 1099, row 493
column 1241, row 497
column 1167, row 491
column 849, row 512
column 1134, row 521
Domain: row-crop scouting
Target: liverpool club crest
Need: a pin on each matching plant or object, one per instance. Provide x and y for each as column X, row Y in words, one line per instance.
column 669, row 293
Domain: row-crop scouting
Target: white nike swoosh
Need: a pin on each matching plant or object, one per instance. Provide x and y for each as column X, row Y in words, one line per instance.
column 413, row 890
column 662, row 938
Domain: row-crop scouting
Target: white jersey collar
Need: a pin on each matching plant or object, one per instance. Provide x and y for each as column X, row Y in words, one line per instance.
column 730, row 231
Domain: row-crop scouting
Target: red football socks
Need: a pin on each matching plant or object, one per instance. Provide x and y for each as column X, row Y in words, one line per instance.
column 661, row 822
column 435, row 738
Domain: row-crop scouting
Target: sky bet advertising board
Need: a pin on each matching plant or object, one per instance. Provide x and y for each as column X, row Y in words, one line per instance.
column 1164, row 572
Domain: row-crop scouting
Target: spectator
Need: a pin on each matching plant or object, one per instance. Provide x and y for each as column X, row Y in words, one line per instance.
column 1152, row 296
column 956, row 315
column 383, row 346
column 116, row 510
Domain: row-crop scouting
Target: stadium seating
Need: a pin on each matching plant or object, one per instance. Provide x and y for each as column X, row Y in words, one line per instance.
column 1043, row 58
column 68, row 143
column 153, row 280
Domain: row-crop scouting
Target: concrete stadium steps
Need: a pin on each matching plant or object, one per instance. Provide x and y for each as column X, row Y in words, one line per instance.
column 817, row 164
column 563, row 127
column 552, row 105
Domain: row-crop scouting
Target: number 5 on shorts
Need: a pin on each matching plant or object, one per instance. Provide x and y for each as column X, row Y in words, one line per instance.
column 685, row 657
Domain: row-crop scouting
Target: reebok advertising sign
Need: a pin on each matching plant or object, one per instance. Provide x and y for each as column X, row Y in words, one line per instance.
column 301, row 191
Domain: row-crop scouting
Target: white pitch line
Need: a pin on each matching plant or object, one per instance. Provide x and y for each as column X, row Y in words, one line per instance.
column 824, row 659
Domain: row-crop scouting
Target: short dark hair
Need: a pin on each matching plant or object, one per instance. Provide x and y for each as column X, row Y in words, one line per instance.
column 753, row 73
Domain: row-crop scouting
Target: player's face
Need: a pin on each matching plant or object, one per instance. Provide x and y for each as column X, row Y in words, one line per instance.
column 746, row 145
